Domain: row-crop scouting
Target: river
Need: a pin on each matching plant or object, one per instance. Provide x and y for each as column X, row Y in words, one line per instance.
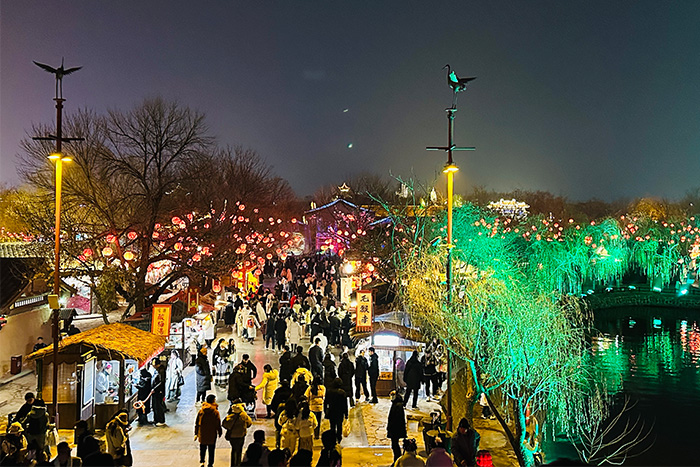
column 652, row 356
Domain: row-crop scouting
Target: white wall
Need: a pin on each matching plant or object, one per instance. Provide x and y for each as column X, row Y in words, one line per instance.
column 19, row 335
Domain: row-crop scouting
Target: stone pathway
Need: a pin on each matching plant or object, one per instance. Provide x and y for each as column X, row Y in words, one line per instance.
column 174, row 444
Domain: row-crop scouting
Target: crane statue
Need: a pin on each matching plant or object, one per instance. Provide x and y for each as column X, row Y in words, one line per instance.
column 60, row 72
column 456, row 83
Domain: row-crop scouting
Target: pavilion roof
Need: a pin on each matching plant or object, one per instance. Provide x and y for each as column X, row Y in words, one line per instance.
column 122, row 339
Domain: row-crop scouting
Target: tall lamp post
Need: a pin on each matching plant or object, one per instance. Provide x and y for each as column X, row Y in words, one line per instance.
column 59, row 158
column 450, row 168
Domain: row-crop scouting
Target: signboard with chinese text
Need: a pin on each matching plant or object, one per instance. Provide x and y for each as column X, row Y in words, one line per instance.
column 160, row 319
column 192, row 301
column 364, row 310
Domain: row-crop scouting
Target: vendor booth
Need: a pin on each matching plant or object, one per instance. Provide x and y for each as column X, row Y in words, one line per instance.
column 97, row 372
column 394, row 342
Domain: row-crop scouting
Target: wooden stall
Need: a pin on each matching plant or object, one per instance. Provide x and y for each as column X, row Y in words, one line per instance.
column 96, row 373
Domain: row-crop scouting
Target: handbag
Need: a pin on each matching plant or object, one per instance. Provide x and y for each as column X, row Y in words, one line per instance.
column 180, row 380
column 52, row 437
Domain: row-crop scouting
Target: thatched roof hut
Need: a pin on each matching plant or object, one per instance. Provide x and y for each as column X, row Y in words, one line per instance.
column 118, row 338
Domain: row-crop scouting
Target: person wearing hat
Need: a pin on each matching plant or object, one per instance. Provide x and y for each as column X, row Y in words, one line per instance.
column 36, row 425
column 117, row 436
column 15, row 435
column 465, row 444
column 396, row 425
column 410, row 456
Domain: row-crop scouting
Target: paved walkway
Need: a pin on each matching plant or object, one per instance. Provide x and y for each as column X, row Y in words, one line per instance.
column 174, row 444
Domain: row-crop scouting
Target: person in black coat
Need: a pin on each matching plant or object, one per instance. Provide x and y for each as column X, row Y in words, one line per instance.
column 270, row 331
column 329, row 372
column 361, row 366
column 158, row 397
column 250, row 366
column 412, row 375
column 281, row 396
column 229, row 313
column 396, row 425
column 144, row 392
column 373, row 373
column 336, row 407
column 346, row 370
column 280, row 331
column 300, row 360
column 334, row 329
column 316, row 358
column 203, row 374
column 239, row 384
column 286, row 366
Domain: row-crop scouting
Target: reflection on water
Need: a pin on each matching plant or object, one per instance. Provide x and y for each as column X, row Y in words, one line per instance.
column 652, row 355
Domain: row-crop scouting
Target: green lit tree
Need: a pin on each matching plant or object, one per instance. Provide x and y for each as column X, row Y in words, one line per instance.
column 523, row 345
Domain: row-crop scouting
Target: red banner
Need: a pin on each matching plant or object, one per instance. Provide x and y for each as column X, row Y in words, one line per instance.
column 160, row 319
column 364, row 309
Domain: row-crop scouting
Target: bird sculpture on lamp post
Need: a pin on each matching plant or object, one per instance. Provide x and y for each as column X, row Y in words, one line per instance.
column 60, row 72
column 456, row 83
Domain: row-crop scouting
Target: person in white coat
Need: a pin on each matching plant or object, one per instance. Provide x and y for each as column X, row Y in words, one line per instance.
column 209, row 329
column 240, row 320
column 294, row 330
column 260, row 313
column 251, row 325
column 173, row 375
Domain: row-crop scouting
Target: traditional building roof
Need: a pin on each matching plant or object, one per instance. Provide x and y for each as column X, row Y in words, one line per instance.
column 17, row 250
column 118, row 338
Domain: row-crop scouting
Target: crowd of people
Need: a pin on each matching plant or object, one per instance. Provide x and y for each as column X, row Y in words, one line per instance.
column 307, row 387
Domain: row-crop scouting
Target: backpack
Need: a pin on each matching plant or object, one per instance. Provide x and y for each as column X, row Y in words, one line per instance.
column 250, row 323
column 35, row 425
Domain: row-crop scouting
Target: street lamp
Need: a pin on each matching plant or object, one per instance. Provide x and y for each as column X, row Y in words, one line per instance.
column 450, row 168
column 59, row 158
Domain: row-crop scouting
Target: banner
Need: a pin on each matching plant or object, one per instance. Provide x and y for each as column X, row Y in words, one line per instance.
column 364, row 310
column 160, row 319
column 192, row 301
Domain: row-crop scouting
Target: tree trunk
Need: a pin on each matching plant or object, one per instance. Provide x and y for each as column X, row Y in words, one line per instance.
column 525, row 456
column 514, row 442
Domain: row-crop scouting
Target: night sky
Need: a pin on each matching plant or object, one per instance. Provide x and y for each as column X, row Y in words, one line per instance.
column 581, row 98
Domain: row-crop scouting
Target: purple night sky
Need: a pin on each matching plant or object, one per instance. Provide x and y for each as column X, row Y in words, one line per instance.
column 584, row 99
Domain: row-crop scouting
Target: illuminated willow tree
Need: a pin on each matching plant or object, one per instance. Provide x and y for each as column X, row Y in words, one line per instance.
column 526, row 346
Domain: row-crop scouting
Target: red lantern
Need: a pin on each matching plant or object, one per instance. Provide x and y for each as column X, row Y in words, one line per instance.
column 178, row 246
column 196, row 257
column 176, row 220
column 132, row 235
column 268, row 256
column 81, row 257
column 87, row 252
column 242, row 207
column 107, row 251
column 111, row 238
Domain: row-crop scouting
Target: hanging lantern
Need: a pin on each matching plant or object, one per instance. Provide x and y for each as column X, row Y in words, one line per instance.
column 178, row 246
column 242, row 207
column 129, row 256
column 294, row 220
column 268, row 256
column 132, row 235
column 81, row 257
column 107, row 251
column 197, row 257
column 176, row 220
column 87, row 252
column 111, row 238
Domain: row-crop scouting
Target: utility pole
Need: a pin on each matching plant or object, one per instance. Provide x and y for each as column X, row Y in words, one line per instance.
column 59, row 158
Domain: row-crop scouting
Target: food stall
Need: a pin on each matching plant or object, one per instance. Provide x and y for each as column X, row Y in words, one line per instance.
column 97, row 372
column 394, row 342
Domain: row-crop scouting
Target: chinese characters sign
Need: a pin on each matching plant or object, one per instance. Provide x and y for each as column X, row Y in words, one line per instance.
column 160, row 319
column 364, row 310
